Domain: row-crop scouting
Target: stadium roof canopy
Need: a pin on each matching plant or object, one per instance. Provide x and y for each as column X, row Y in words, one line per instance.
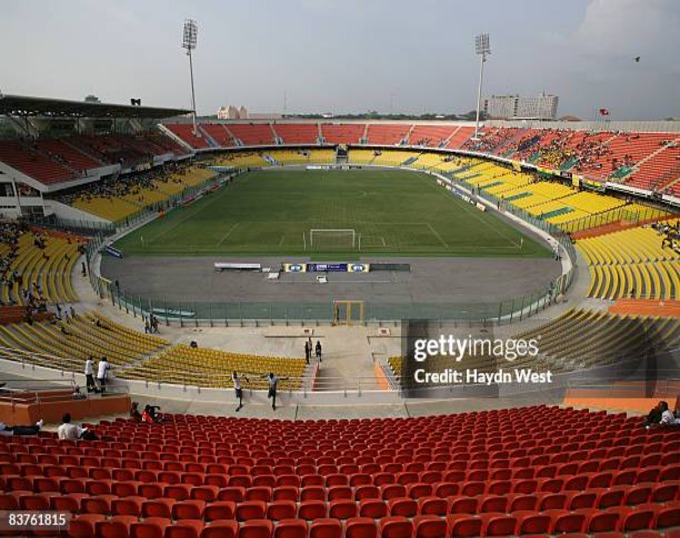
column 17, row 105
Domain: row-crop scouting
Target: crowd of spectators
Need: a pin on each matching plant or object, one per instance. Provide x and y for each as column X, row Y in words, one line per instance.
column 670, row 234
column 490, row 141
column 132, row 184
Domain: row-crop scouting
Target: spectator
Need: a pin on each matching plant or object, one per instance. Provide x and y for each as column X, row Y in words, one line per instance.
column 89, row 375
column 238, row 389
column 667, row 416
column 273, row 386
column 134, row 412
column 7, row 431
column 150, row 414
column 654, row 416
column 102, row 374
column 68, row 431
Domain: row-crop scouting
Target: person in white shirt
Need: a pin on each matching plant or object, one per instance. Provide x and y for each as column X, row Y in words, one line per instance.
column 273, row 387
column 89, row 375
column 68, row 431
column 238, row 389
column 102, row 372
column 667, row 416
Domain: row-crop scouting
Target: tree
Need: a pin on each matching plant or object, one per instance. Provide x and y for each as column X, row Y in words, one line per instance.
column 472, row 115
column 92, row 99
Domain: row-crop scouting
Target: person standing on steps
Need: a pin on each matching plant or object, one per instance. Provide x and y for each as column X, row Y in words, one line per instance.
column 308, row 351
column 89, row 375
column 102, row 372
column 238, row 389
column 318, row 350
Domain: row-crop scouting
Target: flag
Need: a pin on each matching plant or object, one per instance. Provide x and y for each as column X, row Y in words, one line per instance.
column 604, row 112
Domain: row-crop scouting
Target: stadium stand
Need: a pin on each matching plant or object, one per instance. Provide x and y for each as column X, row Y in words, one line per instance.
column 69, row 342
column 631, row 263
column 183, row 365
column 37, row 262
column 28, row 159
column 253, row 134
column 185, row 131
column 387, row 134
column 304, row 156
column 395, row 158
column 459, row 137
column 241, row 159
column 298, row 133
column 362, row 156
column 433, row 136
column 528, row 470
column 122, row 197
column 337, row 133
column 218, row 133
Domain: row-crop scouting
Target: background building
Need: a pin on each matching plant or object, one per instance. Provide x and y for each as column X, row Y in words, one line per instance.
column 542, row 107
column 232, row 113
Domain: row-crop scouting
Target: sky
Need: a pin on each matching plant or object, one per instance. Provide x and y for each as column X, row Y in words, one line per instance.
column 348, row 56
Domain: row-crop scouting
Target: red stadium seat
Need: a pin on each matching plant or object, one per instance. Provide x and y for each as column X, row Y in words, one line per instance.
column 291, row 528
column 464, row 526
column 429, row 526
column 361, row 527
column 83, row 526
column 396, row 527
column 256, row 528
column 325, row 528
column 221, row 529
column 220, row 510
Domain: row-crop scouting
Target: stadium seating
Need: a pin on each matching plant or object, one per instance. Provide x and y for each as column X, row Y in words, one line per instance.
column 298, row 133
column 50, row 268
column 459, row 137
column 185, row 131
column 383, row 134
column 253, row 134
column 60, row 149
column 182, row 364
column 218, row 132
column 158, row 189
column 241, row 159
column 528, row 470
column 631, row 263
column 433, row 136
column 26, row 158
column 72, row 341
column 339, row 133
column 304, row 157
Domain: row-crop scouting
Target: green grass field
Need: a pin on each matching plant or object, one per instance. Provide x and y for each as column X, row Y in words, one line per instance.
column 392, row 213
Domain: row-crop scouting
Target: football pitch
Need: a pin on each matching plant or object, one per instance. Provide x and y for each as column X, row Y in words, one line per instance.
column 331, row 214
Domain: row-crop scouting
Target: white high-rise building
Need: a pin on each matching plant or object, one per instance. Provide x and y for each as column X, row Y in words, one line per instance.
column 543, row 107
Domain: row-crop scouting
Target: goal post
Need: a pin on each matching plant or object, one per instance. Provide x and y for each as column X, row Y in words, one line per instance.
column 332, row 238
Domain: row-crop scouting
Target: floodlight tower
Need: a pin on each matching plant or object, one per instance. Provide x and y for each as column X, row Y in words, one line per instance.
column 482, row 48
column 189, row 38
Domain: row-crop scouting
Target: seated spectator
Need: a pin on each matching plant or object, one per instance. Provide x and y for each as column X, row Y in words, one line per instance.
column 150, row 414
column 654, row 416
column 72, row 432
column 134, row 412
column 7, row 431
column 667, row 416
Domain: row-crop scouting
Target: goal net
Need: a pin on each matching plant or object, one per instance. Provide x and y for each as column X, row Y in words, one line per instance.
column 325, row 239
